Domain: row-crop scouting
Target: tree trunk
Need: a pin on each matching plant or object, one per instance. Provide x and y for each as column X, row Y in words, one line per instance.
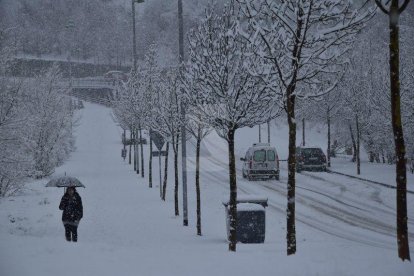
column 164, row 185
column 328, row 154
column 268, row 132
column 159, row 167
column 371, row 157
column 233, row 192
column 401, row 169
column 290, row 211
column 142, row 152
column 137, row 150
column 377, row 158
column 177, row 211
column 150, row 162
column 130, row 147
column 358, row 145
column 260, row 134
column 197, row 181
column 290, row 109
column 303, row 132
column 354, row 157
column 123, row 140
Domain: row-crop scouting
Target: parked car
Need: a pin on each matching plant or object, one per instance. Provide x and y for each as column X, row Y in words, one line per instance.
column 261, row 161
column 310, row 158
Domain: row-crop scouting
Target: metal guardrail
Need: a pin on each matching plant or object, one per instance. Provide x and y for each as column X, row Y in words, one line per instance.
column 362, row 179
column 367, row 180
column 93, row 83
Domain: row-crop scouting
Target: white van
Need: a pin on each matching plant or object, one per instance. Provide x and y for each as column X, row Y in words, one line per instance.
column 261, row 161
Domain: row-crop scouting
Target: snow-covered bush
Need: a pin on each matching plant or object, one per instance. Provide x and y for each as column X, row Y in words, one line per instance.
column 49, row 137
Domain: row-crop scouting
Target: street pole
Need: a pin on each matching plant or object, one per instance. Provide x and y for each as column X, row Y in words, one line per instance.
column 134, row 42
column 70, row 26
column 183, row 130
column 134, row 70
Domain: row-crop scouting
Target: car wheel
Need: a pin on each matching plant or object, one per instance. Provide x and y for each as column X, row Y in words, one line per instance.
column 277, row 177
column 298, row 170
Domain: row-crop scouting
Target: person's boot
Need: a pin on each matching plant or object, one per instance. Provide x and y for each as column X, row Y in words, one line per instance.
column 68, row 237
column 74, row 237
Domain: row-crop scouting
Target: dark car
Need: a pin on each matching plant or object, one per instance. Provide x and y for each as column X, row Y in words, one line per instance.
column 310, row 158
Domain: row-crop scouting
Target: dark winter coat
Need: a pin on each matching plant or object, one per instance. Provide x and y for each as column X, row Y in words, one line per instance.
column 72, row 207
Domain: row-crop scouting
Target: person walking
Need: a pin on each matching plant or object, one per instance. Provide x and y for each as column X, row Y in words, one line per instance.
column 71, row 204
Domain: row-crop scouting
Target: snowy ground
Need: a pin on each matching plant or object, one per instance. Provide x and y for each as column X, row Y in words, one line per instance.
column 344, row 226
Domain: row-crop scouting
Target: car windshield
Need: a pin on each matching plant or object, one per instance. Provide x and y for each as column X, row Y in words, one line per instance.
column 312, row 152
column 270, row 155
column 259, row 156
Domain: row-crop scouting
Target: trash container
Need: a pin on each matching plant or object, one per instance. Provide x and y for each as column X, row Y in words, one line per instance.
column 251, row 219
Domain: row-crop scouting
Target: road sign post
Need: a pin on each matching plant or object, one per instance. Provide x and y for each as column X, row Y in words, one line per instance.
column 159, row 143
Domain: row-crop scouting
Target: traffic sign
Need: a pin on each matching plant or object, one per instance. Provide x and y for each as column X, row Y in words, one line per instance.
column 157, row 139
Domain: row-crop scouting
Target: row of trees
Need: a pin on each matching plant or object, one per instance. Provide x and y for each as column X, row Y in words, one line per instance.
column 36, row 125
column 249, row 63
column 244, row 67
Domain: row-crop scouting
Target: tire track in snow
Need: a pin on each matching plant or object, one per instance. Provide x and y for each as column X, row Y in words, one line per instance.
column 322, row 207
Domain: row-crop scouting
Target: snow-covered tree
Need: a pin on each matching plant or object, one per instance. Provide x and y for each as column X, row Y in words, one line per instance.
column 168, row 120
column 301, row 41
column 151, row 80
column 228, row 96
column 197, row 128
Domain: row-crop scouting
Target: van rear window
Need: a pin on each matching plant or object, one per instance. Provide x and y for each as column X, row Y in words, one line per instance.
column 259, row 156
column 270, row 155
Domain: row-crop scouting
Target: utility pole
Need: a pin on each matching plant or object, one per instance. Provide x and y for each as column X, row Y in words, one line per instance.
column 183, row 130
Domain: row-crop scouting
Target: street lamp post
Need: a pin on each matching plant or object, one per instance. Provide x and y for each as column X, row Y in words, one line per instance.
column 134, row 42
column 70, row 26
column 134, row 71
column 183, row 129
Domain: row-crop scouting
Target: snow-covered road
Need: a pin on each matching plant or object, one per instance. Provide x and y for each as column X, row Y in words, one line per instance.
column 344, row 206
column 344, row 227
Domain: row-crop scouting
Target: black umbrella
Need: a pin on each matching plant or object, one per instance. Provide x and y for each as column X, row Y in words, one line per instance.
column 65, row 181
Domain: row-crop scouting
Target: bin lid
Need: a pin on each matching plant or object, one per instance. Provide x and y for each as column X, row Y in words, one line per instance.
column 250, row 207
column 249, row 199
